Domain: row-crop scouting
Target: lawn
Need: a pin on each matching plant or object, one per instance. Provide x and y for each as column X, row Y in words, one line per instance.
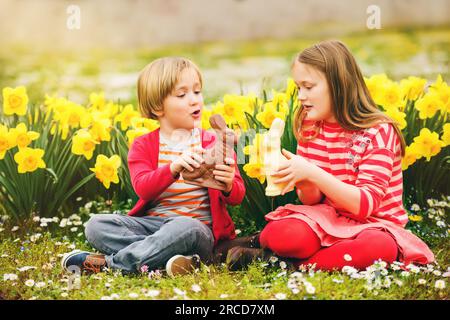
column 31, row 254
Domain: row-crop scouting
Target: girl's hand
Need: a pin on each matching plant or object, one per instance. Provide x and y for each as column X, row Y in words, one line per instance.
column 295, row 169
column 189, row 159
column 225, row 173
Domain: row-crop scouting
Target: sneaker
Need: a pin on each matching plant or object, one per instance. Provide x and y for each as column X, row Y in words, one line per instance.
column 180, row 265
column 83, row 261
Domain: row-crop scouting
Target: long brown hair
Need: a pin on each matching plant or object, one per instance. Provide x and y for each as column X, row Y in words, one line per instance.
column 353, row 107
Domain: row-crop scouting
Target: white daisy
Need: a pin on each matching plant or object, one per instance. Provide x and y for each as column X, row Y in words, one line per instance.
column 439, row 284
column 196, row 288
column 29, row 283
column 152, row 293
column 280, row 296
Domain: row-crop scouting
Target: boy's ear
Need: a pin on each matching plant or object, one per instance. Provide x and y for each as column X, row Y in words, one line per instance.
column 158, row 113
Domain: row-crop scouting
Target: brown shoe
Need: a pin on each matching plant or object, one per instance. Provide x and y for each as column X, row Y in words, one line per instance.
column 94, row 263
column 222, row 248
column 83, row 262
column 239, row 258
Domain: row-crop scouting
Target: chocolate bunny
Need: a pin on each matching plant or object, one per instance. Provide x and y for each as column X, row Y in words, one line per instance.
column 222, row 148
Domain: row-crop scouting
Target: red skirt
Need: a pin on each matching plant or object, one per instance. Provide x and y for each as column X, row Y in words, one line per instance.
column 332, row 227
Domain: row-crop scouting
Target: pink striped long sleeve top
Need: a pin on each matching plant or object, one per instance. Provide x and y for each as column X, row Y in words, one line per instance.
column 369, row 159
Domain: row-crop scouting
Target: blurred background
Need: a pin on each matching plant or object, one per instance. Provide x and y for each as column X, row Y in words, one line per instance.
column 71, row 48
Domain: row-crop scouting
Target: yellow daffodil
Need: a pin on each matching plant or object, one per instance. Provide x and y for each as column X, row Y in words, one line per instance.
column 6, row 141
column 428, row 105
column 140, row 122
column 218, row 108
column 125, row 116
column 428, row 143
column 391, row 96
column 106, row 169
column 55, row 105
column 280, row 101
column 206, row 114
column 376, row 86
column 291, row 89
column 97, row 101
column 67, row 115
column 83, row 144
column 100, row 127
column 411, row 155
column 111, row 109
column 415, row 218
column 255, row 170
column 398, row 117
column 412, row 87
column 441, row 88
column 134, row 133
column 242, row 103
column 15, row 101
column 73, row 115
column 255, row 167
column 255, row 150
column 446, row 134
column 233, row 109
column 232, row 106
column 267, row 116
column 22, row 138
column 29, row 159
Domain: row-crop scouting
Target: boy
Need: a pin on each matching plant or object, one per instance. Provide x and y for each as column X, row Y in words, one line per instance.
column 173, row 224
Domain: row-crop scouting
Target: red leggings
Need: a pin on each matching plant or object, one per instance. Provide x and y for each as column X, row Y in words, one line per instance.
column 293, row 238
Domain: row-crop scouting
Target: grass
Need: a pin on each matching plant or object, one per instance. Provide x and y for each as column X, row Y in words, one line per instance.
column 42, row 248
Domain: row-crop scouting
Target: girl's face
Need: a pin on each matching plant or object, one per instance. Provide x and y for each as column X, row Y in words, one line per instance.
column 182, row 108
column 313, row 92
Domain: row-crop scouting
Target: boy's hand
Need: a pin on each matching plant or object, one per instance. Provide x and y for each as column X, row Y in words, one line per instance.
column 189, row 159
column 225, row 173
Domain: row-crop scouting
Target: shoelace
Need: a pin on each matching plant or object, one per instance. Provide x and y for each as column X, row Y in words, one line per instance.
column 94, row 266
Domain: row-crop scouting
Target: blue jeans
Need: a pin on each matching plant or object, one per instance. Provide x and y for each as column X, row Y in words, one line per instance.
column 131, row 242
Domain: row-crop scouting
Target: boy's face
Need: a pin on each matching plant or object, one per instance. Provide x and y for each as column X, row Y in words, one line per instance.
column 182, row 108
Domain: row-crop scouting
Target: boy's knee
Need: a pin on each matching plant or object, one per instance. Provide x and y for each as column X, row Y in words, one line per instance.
column 95, row 226
column 195, row 229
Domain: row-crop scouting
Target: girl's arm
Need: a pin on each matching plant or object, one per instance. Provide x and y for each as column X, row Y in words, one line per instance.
column 375, row 172
column 308, row 193
column 341, row 194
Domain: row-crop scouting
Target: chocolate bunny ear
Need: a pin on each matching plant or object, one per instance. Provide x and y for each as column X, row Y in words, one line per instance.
column 217, row 122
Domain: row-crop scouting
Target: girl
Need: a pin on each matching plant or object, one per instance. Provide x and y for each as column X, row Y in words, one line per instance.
column 347, row 172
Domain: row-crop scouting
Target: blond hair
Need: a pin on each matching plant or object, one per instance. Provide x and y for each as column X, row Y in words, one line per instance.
column 353, row 107
column 157, row 80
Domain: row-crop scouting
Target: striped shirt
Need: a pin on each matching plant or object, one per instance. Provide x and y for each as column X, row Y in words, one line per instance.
column 180, row 198
column 369, row 159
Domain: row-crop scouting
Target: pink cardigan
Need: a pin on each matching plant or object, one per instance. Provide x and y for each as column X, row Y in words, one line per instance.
column 149, row 182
